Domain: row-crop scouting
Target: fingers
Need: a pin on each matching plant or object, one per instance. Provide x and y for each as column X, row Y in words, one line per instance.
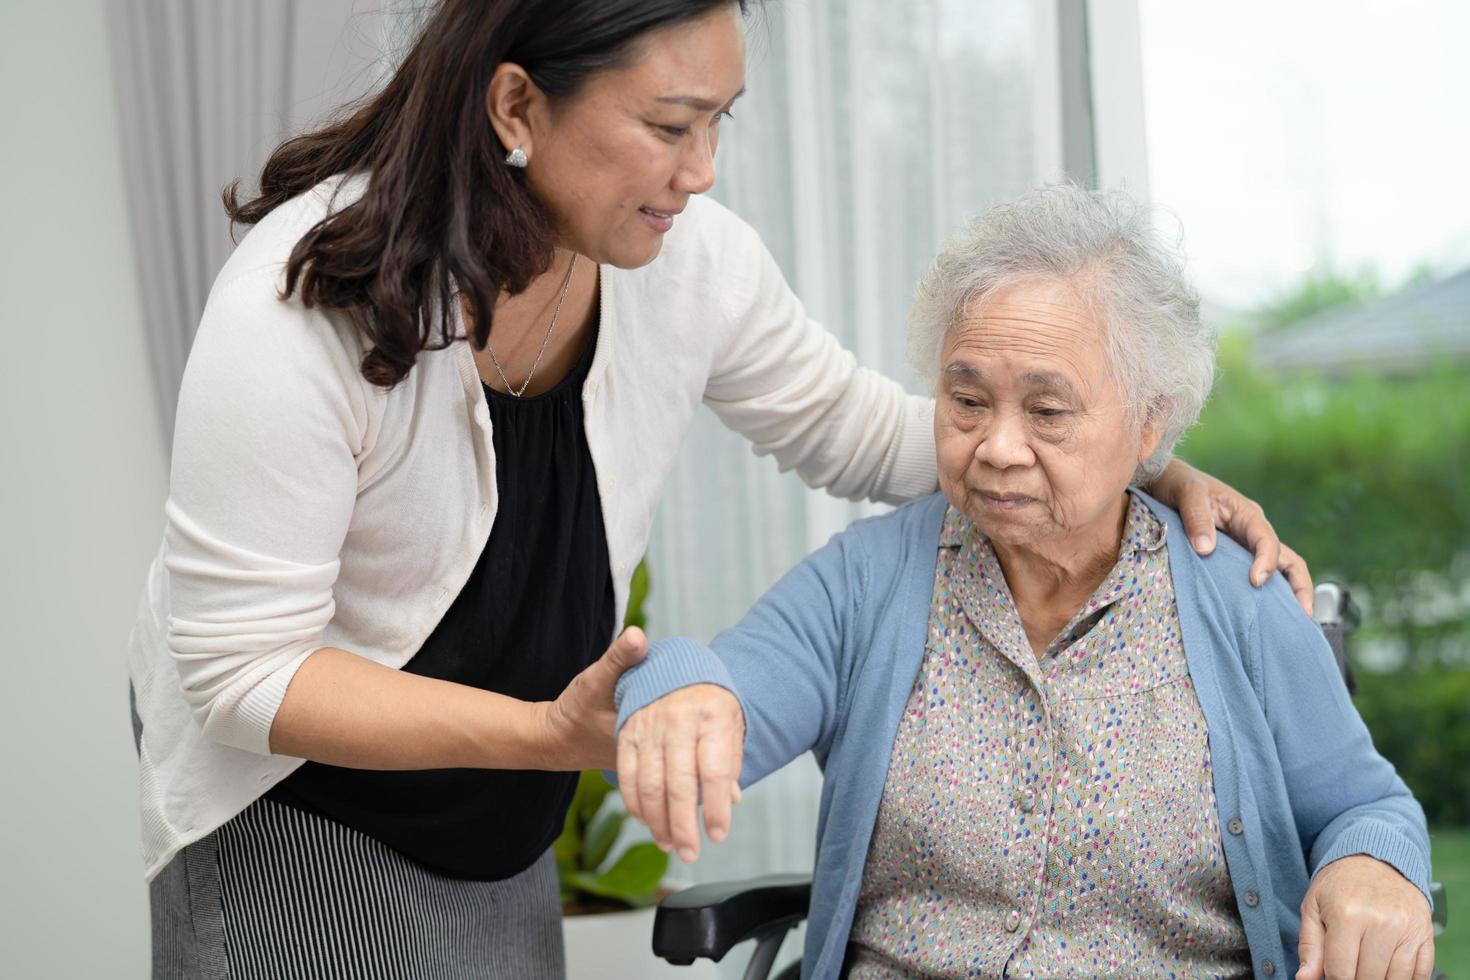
column 652, row 796
column 1424, row 963
column 685, row 745
column 1309, row 944
column 628, row 649
column 719, row 773
column 1340, row 950
column 1299, row 577
column 1198, row 513
column 1401, row 962
column 1244, row 521
column 682, row 797
column 1376, row 949
column 628, row 776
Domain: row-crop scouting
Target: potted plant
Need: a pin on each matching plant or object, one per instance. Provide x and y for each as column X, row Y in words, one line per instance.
column 608, row 894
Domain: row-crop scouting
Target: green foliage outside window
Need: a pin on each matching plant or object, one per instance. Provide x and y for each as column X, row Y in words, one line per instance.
column 1369, row 479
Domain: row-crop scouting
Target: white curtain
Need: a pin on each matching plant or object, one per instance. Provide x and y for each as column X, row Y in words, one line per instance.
column 870, row 131
column 204, row 90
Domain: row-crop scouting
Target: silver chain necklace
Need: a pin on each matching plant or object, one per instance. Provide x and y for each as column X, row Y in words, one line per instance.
column 518, row 392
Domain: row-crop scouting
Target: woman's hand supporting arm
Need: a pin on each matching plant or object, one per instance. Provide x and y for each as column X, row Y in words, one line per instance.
column 346, row 710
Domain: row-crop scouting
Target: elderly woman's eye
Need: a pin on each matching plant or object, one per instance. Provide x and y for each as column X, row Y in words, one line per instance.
column 1049, row 414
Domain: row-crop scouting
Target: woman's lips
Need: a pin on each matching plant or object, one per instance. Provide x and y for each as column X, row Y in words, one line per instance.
column 659, row 221
column 1004, row 503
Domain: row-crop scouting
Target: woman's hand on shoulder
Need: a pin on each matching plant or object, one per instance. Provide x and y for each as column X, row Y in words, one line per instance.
column 1361, row 918
column 681, row 749
column 1204, row 503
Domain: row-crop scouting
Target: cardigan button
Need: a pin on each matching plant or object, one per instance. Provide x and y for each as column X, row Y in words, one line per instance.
column 1235, row 827
column 1013, row 921
column 1268, row 968
column 1252, row 899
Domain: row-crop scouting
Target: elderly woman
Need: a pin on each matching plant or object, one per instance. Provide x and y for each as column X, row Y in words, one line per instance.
column 1056, row 740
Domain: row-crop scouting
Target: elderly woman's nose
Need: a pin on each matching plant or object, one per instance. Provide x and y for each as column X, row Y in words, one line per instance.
column 1004, row 443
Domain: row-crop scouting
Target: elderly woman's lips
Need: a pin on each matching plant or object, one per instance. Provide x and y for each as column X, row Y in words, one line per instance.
column 1003, row 503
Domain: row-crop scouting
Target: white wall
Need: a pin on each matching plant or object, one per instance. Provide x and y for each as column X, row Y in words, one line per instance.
column 80, row 501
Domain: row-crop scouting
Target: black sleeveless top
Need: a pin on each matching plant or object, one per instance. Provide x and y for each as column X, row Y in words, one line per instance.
column 536, row 610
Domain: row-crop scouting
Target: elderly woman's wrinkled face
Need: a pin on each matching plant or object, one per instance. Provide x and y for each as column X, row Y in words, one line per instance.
column 1034, row 440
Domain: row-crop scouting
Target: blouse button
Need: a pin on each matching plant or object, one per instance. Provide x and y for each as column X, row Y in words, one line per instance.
column 1252, row 899
column 1235, row 827
column 1013, row 921
column 1028, row 802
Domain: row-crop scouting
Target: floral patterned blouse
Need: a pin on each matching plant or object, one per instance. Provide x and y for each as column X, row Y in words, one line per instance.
column 1054, row 815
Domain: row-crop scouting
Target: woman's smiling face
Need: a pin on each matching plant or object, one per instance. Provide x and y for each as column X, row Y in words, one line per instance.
column 618, row 160
column 1032, row 430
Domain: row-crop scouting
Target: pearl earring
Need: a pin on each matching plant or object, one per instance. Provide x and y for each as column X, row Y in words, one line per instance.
column 517, row 158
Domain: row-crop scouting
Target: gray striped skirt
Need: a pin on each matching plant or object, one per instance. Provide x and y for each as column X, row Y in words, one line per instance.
column 278, row 892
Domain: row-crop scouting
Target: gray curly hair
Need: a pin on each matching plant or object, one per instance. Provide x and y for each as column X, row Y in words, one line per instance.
column 1104, row 243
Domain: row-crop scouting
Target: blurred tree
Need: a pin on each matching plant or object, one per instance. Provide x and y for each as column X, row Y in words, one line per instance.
column 1367, row 477
column 1320, row 290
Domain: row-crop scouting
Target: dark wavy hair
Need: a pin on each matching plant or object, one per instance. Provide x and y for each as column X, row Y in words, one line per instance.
column 441, row 205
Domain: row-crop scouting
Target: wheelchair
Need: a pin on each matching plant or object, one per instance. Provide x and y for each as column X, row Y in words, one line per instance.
column 707, row 921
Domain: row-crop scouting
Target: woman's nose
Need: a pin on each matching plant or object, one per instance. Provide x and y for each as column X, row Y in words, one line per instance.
column 1004, row 444
column 696, row 173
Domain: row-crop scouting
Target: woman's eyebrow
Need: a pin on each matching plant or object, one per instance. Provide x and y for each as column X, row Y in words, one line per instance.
column 1061, row 384
column 964, row 372
column 695, row 102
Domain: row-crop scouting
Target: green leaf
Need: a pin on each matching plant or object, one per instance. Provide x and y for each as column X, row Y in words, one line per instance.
column 633, row 877
column 592, row 789
column 637, row 595
column 600, row 837
column 568, row 845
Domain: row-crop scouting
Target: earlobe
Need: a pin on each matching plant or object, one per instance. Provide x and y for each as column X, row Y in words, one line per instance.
column 1152, row 436
column 1152, row 433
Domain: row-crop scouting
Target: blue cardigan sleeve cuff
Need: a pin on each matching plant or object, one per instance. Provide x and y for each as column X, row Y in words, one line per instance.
column 1380, row 839
column 670, row 665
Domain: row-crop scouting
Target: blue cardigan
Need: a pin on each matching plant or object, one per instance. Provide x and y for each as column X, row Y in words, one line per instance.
column 826, row 660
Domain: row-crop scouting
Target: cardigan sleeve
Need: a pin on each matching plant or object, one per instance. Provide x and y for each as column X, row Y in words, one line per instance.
column 782, row 660
column 261, row 490
column 786, row 384
column 1347, row 799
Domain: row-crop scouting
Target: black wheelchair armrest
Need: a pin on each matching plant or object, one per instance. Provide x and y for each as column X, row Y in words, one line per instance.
column 1338, row 615
column 705, row 921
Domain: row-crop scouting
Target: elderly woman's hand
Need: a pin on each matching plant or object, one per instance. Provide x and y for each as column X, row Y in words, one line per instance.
column 1205, row 503
column 681, row 749
column 1363, row 919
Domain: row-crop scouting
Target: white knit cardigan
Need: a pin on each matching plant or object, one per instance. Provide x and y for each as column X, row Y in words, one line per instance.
column 308, row 508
